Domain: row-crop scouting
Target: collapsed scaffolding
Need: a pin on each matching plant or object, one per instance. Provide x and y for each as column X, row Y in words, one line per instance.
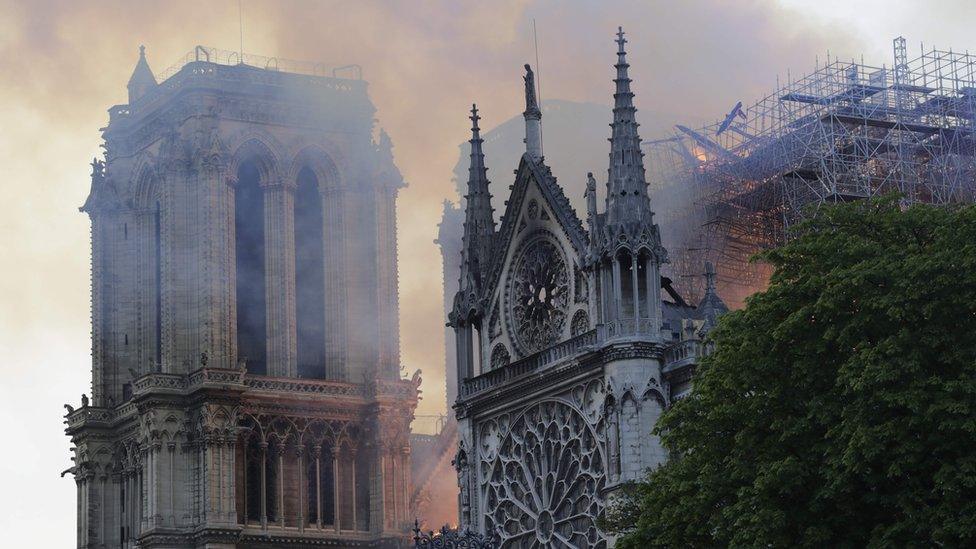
column 847, row 131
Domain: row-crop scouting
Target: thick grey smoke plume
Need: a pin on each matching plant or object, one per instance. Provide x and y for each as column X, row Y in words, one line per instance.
column 62, row 64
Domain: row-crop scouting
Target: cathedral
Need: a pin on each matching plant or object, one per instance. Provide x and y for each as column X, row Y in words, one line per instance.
column 246, row 384
column 570, row 342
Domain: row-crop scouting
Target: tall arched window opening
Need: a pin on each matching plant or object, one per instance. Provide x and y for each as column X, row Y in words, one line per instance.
column 642, row 299
column 309, row 277
column 249, row 249
column 626, row 285
column 253, row 462
column 320, row 479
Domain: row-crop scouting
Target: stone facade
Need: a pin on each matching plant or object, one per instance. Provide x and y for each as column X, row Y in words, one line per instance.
column 570, row 343
column 246, row 386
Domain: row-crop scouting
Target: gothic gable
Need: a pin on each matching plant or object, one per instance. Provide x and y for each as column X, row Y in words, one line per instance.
column 534, row 296
column 536, row 175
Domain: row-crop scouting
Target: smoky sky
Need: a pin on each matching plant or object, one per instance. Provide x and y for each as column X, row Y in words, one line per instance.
column 64, row 63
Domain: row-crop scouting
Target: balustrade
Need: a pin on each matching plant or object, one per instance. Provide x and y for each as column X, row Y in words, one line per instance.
column 569, row 348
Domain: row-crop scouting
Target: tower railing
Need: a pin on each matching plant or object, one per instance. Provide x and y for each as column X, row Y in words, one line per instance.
column 226, row 57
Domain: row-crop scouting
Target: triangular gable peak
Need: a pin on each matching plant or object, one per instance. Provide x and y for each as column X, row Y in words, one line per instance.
column 538, row 258
column 534, row 173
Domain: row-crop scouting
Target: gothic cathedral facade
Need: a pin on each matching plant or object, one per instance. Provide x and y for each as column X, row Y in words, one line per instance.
column 570, row 342
column 246, row 386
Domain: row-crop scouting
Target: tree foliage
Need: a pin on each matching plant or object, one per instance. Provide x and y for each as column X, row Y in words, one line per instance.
column 839, row 406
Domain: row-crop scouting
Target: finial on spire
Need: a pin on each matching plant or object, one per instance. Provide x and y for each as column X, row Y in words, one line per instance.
column 479, row 221
column 627, row 198
column 142, row 79
column 474, row 118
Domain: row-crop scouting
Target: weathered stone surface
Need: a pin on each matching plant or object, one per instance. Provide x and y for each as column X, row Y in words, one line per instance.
column 227, row 409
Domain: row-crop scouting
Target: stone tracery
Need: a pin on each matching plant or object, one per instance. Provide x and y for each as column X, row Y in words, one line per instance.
column 539, row 296
column 543, row 488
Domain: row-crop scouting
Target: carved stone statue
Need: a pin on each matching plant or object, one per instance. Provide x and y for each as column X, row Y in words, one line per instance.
column 461, row 465
column 531, row 102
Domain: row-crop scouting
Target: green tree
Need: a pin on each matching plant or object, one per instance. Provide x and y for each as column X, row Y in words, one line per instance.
column 839, row 406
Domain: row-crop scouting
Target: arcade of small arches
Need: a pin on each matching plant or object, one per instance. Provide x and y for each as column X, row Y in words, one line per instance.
column 294, row 473
column 628, row 282
column 311, row 475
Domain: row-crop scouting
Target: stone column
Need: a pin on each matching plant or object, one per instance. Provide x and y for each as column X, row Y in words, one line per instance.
column 201, row 479
column 230, row 468
column 218, row 478
column 217, row 277
column 360, row 279
column 85, row 510
column 154, row 515
column 132, row 505
column 352, row 495
column 279, row 247
column 171, row 482
column 333, row 239
column 103, row 533
column 654, row 295
column 336, row 499
column 318, row 486
column 384, row 477
column 264, row 485
column 634, row 285
column 281, row 485
column 302, row 486
column 617, row 293
column 97, row 308
column 386, row 268
column 180, row 243
column 467, row 333
column 601, row 291
column 405, row 483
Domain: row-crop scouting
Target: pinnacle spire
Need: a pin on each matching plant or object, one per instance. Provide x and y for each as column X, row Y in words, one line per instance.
column 142, row 79
column 627, row 198
column 479, row 222
column 711, row 305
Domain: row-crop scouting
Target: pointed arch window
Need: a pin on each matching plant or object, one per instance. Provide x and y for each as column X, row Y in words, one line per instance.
column 250, row 268
column 309, row 276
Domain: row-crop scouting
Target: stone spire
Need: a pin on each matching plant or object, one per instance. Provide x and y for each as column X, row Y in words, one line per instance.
column 533, row 117
column 711, row 305
column 142, row 79
column 479, row 220
column 627, row 199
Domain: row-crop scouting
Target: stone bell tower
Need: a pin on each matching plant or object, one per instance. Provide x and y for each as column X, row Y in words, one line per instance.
column 246, row 386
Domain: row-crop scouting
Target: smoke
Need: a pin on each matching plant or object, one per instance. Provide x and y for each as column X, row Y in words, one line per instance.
column 62, row 64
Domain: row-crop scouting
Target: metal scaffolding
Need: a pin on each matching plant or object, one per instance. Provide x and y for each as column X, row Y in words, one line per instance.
column 847, row 131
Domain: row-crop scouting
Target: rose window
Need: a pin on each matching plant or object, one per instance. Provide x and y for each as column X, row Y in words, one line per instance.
column 543, row 488
column 539, row 297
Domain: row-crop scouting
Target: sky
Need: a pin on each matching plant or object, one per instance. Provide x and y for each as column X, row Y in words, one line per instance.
column 63, row 63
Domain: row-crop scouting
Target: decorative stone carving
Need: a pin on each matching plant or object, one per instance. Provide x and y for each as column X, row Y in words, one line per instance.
column 500, row 356
column 581, row 323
